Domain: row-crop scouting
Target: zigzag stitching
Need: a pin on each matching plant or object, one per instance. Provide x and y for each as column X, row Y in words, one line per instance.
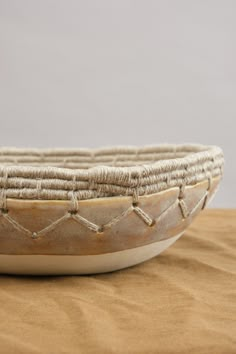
column 100, row 228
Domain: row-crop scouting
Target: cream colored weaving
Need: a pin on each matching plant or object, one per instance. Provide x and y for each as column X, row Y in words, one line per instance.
column 63, row 174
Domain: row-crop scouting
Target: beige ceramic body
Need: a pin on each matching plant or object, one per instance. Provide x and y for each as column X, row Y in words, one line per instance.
column 42, row 237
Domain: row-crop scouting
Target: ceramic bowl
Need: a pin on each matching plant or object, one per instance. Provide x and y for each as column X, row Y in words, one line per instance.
column 85, row 211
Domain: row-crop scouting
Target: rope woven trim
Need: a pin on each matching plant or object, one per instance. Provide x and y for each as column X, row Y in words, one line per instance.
column 100, row 229
column 128, row 171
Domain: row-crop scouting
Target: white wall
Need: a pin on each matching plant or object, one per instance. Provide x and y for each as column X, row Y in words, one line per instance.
column 95, row 73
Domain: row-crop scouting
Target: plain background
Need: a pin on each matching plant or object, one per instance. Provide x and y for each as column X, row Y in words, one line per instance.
column 98, row 73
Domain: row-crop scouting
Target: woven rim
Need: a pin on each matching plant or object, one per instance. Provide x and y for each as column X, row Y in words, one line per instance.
column 65, row 174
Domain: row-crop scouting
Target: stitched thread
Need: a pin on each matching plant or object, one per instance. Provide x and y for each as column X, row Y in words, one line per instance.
column 99, row 229
column 173, row 166
column 207, row 192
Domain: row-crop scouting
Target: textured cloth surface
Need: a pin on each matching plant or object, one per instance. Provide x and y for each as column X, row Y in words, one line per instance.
column 183, row 301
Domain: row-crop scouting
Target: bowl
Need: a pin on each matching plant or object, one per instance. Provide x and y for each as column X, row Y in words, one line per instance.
column 86, row 211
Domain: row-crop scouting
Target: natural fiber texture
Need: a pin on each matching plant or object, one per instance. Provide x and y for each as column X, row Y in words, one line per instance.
column 111, row 171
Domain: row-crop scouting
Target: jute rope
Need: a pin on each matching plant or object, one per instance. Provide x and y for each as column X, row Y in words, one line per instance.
column 76, row 174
